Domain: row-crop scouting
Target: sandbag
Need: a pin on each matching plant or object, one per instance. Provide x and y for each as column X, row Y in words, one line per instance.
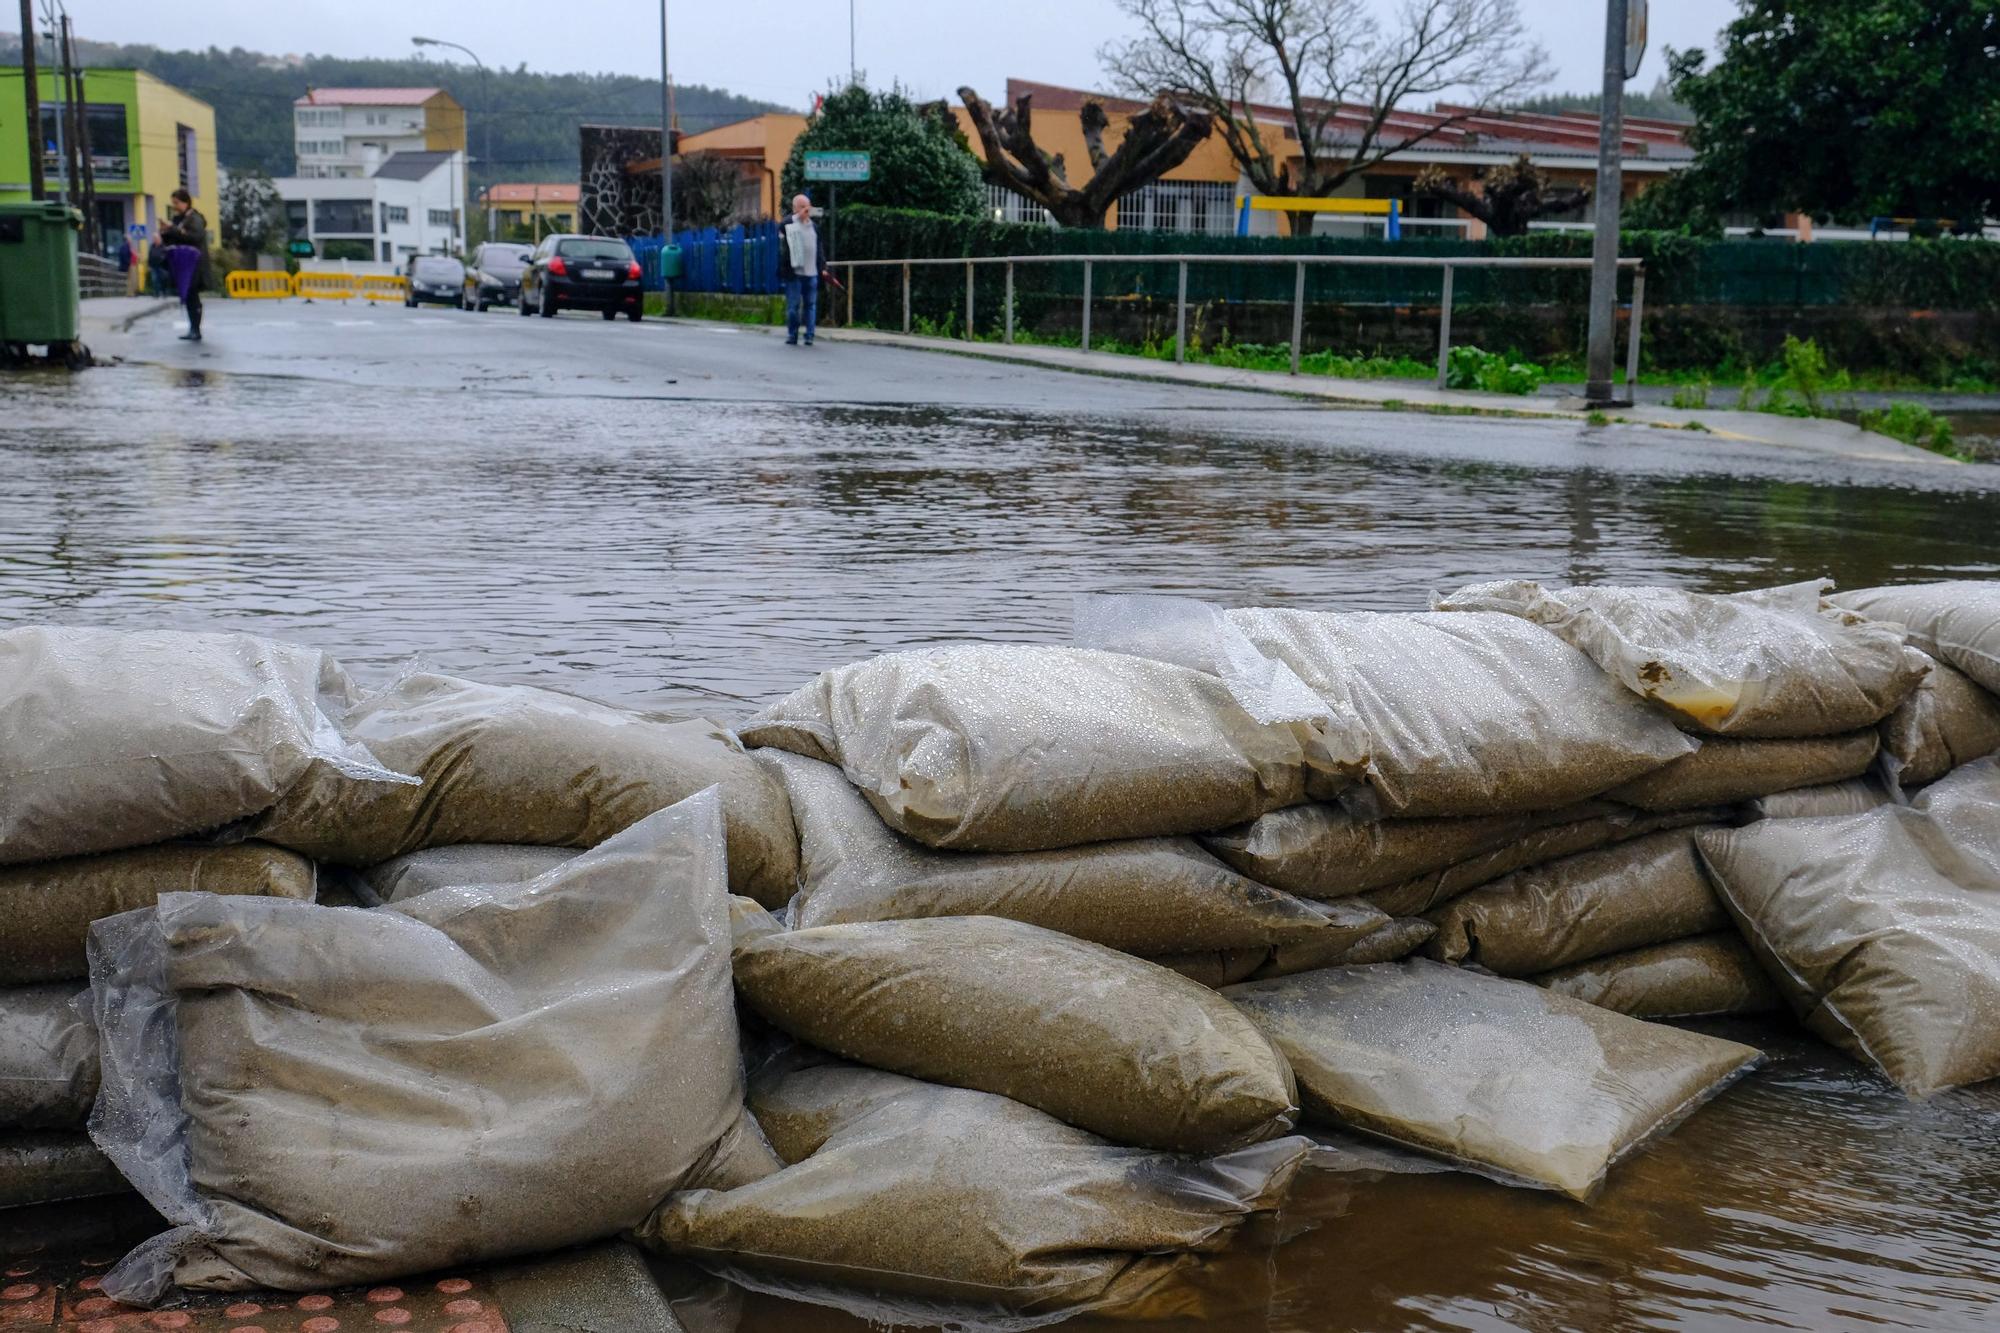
column 1949, row 720
column 1217, row 968
column 48, row 1059
column 1514, row 1080
column 1956, row 622
column 1646, row 891
column 1015, row 748
column 1771, row 662
column 952, row 1194
column 1104, row 1041
column 46, row 907
column 468, row 863
column 119, row 739
column 1695, row 977
column 1325, row 851
column 1414, row 897
column 1724, row 771
column 1143, row 895
column 1839, row 798
column 1882, row 929
column 475, row 1072
column 513, row 764
column 44, row 1166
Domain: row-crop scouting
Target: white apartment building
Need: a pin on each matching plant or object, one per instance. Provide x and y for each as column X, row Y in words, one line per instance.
column 381, row 173
column 346, row 133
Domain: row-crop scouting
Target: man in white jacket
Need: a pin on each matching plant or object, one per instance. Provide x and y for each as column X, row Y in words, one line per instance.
column 800, row 265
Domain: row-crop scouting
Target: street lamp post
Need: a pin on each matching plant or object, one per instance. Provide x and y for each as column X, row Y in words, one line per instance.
column 1603, row 325
column 486, row 120
column 666, row 141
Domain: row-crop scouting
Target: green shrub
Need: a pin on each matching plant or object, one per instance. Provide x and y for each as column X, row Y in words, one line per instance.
column 1489, row 372
column 1913, row 423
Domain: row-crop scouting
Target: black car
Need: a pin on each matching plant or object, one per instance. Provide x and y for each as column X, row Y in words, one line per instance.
column 433, row 280
column 494, row 275
column 582, row 273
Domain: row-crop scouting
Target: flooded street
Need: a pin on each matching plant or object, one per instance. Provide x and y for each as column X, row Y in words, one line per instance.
column 696, row 553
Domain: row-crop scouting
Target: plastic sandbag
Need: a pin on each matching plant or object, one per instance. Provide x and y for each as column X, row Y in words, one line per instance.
column 467, row 863
column 1646, row 891
column 46, row 908
column 1724, row 771
column 1015, row 748
column 48, row 1059
column 1772, row 662
column 1414, row 897
column 41, row 1166
column 1839, row 798
column 1217, row 968
column 1948, row 721
column 1325, row 851
column 1690, row 978
column 1883, row 929
column 1104, row 1041
column 1513, row 1080
column 513, row 764
column 951, row 1194
column 1144, row 896
column 120, row 739
column 318, row 1096
column 1955, row 622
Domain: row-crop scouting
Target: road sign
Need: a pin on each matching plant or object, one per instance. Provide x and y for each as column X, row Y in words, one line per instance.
column 300, row 249
column 1635, row 36
column 836, row 166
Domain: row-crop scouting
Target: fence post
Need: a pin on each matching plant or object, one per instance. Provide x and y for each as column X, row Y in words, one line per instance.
column 1632, row 333
column 1009, row 335
column 1180, row 317
column 1086, row 305
column 906, row 296
column 853, row 281
column 968, row 300
column 1444, row 328
column 1298, row 312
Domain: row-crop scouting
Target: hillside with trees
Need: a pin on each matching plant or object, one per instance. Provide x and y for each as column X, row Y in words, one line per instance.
column 534, row 121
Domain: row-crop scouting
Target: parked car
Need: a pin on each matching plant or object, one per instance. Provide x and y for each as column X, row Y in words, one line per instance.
column 433, row 279
column 582, row 273
column 494, row 275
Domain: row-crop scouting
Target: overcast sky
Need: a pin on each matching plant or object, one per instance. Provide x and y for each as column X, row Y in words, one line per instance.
column 781, row 50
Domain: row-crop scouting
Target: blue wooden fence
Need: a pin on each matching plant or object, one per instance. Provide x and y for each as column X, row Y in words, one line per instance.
column 742, row 260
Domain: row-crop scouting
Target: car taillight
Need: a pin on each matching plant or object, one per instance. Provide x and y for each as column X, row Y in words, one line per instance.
column 632, row 271
column 557, row 267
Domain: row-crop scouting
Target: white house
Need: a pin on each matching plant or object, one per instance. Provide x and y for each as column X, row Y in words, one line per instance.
column 349, row 132
column 408, row 205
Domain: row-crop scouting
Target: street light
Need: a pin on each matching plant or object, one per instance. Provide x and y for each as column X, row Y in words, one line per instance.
column 486, row 121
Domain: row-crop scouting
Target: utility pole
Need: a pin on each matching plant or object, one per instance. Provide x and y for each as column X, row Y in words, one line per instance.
column 31, row 80
column 72, row 168
column 1610, row 187
column 666, row 137
column 852, row 77
column 93, row 233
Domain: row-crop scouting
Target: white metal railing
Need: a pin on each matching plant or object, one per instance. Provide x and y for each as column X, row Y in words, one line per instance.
column 1201, row 207
column 1005, row 205
column 1300, row 264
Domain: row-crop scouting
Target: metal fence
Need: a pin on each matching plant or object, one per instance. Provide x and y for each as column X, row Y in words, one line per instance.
column 1446, row 270
column 98, row 276
column 742, row 260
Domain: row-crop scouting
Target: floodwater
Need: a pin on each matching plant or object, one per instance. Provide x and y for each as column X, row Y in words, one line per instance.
column 714, row 556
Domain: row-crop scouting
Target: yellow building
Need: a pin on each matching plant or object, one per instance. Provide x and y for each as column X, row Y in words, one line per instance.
column 518, row 211
column 758, row 146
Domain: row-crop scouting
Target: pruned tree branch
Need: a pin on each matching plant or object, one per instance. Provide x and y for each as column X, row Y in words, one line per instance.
column 1509, row 197
column 1156, row 140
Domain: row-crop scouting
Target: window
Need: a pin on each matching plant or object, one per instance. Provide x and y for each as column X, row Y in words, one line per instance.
column 440, row 217
column 295, row 218
column 595, row 249
column 190, row 163
column 376, row 118
column 395, row 213
column 343, row 215
column 110, row 152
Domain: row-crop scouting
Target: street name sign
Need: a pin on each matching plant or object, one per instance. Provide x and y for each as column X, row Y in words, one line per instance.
column 836, row 166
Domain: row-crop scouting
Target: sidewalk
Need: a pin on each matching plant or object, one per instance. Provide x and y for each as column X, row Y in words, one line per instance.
column 1836, row 439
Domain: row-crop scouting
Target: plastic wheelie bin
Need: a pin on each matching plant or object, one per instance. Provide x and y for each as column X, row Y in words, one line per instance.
column 38, row 280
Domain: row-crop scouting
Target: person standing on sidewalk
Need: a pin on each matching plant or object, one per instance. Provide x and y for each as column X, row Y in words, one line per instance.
column 186, row 242
column 799, row 267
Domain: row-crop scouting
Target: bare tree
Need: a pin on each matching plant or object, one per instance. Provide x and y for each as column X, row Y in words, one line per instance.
column 1305, row 92
column 707, row 187
column 1508, row 199
column 1157, row 140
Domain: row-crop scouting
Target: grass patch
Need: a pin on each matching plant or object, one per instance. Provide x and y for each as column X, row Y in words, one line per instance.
column 1913, row 423
column 720, row 306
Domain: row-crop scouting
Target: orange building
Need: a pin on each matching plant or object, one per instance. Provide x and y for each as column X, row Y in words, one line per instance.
column 758, row 146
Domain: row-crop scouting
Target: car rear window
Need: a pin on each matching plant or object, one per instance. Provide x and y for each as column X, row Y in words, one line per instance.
column 505, row 258
column 440, row 270
column 616, row 251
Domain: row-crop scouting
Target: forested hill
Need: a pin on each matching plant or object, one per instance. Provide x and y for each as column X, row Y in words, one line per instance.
column 535, row 115
column 1658, row 104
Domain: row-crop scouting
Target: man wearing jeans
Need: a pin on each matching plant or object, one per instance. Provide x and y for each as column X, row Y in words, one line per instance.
column 800, row 266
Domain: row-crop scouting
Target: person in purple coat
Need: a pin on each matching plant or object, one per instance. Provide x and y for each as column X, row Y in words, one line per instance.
column 186, row 243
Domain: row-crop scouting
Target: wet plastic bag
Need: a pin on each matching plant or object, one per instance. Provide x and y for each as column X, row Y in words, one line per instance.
column 48, row 1059
column 1882, row 929
column 1216, row 968
column 46, row 907
column 1529, row 1086
column 1325, row 851
column 1955, row 622
column 1143, row 896
column 513, row 764
column 1948, row 721
column 1724, row 770
column 467, row 863
column 318, row 1096
column 950, row 1194
column 49, row 1166
column 1646, row 891
column 1015, row 748
column 1691, row 978
column 1839, row 798
column 1111, row 1043
column 1771, row 662
column 119, row 739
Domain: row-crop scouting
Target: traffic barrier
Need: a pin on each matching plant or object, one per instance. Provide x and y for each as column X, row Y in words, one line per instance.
column 324, row 286
column 381, row 286
column 258, row 285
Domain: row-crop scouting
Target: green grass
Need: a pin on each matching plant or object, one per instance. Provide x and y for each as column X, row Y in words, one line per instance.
column 1913, row 423
column 719, row 306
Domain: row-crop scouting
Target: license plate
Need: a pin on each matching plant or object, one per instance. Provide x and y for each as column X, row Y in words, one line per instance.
column 597, row 273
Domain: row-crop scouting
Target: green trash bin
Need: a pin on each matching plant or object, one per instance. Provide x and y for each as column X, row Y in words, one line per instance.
column 38, row 284
column 670, row 262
